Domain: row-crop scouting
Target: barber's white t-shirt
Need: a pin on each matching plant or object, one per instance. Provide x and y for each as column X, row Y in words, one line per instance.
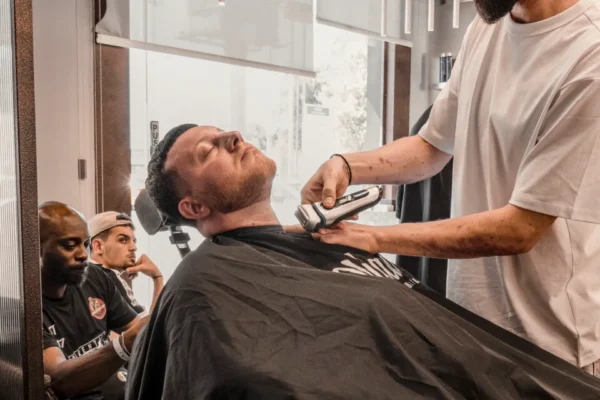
column 521, row 114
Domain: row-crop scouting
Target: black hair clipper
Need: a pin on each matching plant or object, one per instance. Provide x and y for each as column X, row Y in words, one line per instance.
column 314, row 216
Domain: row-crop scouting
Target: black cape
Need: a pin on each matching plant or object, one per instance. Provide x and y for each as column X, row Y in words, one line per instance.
column 242, row 322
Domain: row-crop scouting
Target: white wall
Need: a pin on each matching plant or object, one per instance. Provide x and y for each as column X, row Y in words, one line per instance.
column 447, row 39
column 64, row 97
column 427, row 47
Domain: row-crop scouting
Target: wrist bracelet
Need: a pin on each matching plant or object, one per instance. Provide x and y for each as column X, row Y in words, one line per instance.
column 347, row 165
column 120, row 348
column 122, row 342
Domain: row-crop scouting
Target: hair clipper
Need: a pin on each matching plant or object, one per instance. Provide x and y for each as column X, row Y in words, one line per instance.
column 314, row 216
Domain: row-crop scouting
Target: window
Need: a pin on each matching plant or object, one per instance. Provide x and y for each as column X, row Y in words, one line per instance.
column 299, row 122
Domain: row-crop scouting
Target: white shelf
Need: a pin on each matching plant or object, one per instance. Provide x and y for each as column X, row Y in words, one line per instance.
column 439, row 86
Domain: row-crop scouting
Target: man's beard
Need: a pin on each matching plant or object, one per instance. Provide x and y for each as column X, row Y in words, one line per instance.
column 491, row 11
column 56, row 271
column 228, row 196
column 77, row 279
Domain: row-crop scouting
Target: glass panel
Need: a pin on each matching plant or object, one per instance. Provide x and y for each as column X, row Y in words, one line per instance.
column 11, row 384
column 299, row 122
column 360, row 14
column 273, row 32
column 379, row 18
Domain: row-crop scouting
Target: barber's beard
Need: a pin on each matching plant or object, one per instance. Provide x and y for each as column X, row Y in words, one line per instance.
column 491, row 11
column 232, row 195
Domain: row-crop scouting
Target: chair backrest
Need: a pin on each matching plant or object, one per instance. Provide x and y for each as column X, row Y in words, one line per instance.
column 420, row 122
column 424, row 201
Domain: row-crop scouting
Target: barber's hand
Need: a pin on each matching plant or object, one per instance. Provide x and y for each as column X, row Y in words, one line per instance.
column 145, row 265
column 362, row 237
column 131, row 334
column 299, row 229
column 294, row 229
column 328, row 183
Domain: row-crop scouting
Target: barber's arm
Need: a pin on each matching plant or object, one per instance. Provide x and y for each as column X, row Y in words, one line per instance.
column 558, row 177
column 509, row 230
column 406, row 160
column 82, row 374
column 148, row 268
column 403, row 161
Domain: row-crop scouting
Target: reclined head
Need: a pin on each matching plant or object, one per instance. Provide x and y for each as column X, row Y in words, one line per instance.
column 199, row 175
column 64, row 239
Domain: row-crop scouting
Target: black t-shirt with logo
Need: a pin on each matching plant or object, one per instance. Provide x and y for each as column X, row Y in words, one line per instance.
column 327, row 257
column 80, row 322
column 123, row 287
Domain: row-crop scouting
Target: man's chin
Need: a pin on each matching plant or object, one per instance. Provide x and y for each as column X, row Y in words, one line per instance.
column 490, row 12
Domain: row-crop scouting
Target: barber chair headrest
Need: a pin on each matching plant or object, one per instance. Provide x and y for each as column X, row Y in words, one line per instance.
column 150, row 217
column 153, row 221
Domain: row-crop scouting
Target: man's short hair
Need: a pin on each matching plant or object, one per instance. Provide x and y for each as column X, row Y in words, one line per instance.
column 161, row 185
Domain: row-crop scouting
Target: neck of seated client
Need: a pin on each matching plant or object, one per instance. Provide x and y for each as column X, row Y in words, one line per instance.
column 258, row 214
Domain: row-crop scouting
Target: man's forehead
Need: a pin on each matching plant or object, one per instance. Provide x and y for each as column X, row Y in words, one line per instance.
column 186, row 143
column 122, row 231
column 69, row 226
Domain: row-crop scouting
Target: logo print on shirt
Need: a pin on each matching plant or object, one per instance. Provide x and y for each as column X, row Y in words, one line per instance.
column 95, row 343
column 97, row 307
column 61, row 343
column 378, row 266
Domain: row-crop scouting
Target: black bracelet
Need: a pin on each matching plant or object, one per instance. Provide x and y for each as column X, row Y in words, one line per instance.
column 347, row 165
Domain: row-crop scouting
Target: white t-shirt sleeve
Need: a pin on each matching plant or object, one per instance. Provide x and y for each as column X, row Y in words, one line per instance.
column 560, row 174
column 439, row 130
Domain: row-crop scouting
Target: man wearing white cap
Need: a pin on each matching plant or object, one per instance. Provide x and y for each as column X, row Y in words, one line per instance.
column 113, row 247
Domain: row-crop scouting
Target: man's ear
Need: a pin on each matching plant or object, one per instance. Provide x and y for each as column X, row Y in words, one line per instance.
column 97, row 247
column 192, row 210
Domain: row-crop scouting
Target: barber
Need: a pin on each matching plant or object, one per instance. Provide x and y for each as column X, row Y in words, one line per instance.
column 520, row 115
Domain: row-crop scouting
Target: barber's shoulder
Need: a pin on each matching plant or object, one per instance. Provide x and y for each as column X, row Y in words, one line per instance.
column 586, row 69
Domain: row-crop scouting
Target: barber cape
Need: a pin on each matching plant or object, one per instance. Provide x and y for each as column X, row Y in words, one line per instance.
column 237, row 321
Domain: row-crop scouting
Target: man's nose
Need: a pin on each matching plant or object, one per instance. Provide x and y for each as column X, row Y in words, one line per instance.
column 81, row 254
column 232, row 139
column 133, row 247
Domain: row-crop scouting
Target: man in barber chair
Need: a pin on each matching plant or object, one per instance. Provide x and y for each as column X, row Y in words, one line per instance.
column 81, row 305
column 256, row 312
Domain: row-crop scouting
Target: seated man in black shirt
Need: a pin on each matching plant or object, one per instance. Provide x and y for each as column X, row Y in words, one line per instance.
column 256, row 312
column 80, row 306
column 113, row 246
